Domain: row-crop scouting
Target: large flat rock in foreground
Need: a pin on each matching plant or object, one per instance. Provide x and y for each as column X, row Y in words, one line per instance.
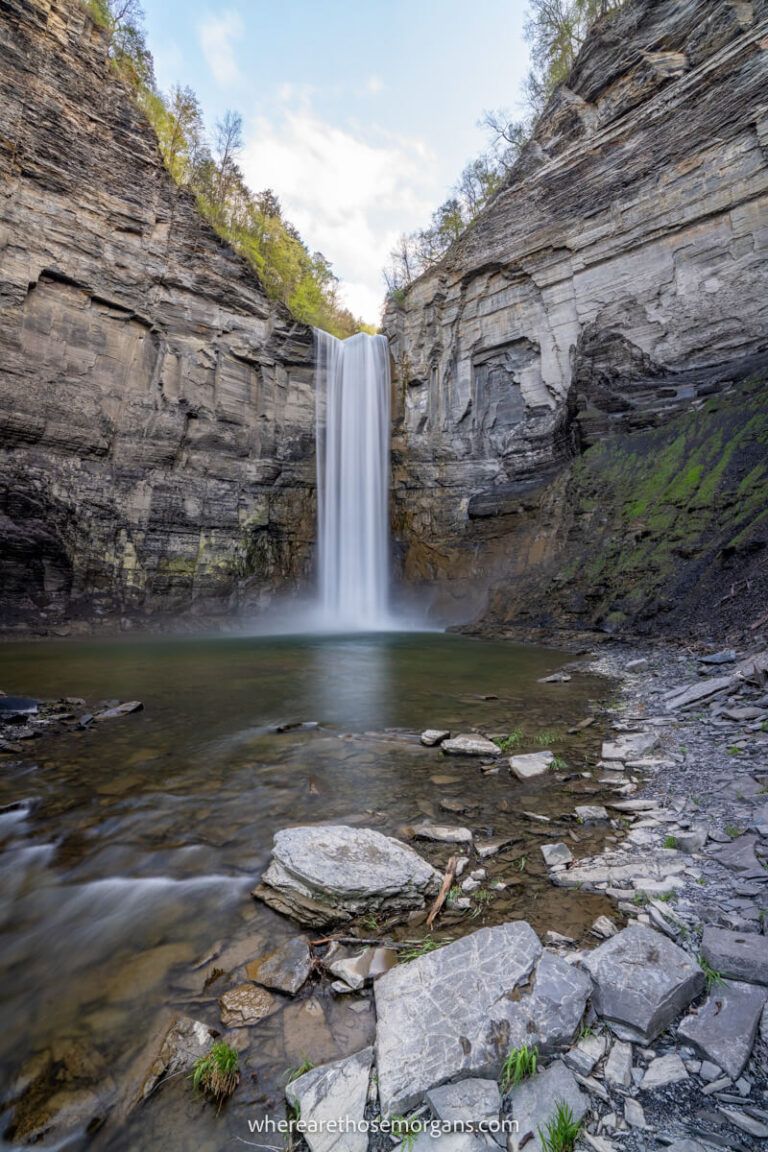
column 455, row 1012
column 329, row 874
column 642, row 982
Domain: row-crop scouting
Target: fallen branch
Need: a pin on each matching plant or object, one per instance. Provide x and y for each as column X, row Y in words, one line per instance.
column 445, row 887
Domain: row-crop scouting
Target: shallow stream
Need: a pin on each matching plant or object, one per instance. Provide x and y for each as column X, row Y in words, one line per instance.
column 141, row 838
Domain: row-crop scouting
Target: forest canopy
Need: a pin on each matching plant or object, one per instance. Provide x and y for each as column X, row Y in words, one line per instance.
column 208, row 165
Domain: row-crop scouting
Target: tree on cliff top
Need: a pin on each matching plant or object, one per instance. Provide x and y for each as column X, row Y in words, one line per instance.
column 252, row 223
column 555, row 31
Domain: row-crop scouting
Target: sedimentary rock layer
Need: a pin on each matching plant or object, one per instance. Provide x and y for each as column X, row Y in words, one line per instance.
column 618, row 278
column 156, row 414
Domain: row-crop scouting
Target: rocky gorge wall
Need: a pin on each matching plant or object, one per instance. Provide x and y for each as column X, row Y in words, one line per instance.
column 156, row 409
column 614, row 285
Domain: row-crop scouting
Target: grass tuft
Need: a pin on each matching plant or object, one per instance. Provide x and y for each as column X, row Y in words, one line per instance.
column 519, row 1065
column 562, row 1131
column 294, row 1073
column 418, row 949
column 513, row 740
column 217, row 1074
column 713, row 977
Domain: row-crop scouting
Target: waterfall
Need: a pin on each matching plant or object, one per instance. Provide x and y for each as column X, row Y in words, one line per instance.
column 353, row 386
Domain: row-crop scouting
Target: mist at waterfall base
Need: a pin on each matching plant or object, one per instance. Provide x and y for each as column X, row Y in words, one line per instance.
column 353, row 589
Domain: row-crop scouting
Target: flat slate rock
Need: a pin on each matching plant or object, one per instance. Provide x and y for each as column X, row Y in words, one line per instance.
column 642, row 982
column 285, row 968
column 469, row 1101
column 333, row 1094
column 470, row 745
column 119, row 710
column 449, row 1014
column 738, row 855
column 426, row 1141
column 11, row 706
column 530, row 765
column 618, row 1066
column 551, row 1016
column 327, row 874
column 443, row 833
column 664, row 1070
column 736, row 955
column 688, row 695
column 725, row 1026
column 629, row 745
column 533, row 1104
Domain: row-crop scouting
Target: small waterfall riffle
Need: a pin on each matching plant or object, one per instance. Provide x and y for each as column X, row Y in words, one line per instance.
column 353, row 400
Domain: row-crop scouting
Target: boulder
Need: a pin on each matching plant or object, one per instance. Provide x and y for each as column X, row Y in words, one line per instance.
column 530, row 765
column 357, row 970
column 724, row 1028
column 556, row 854
column 246, row 1004
column 642, row 982
column 332, row 1100
column 434, row 736
column 328, row 874
column 533, row 1104
column 285, row 968
column 736, row 955
column 471, row 745
column 591, row 813
column 449, row 1013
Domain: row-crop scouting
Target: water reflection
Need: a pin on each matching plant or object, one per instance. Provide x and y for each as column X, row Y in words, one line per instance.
column 350, row 681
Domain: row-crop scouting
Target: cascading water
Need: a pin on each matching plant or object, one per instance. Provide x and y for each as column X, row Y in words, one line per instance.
column 353, row 387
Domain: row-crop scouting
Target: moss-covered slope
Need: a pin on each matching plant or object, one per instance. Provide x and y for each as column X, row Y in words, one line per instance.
column 665, row 529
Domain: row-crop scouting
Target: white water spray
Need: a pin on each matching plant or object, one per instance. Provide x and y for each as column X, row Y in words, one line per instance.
column 353, row 387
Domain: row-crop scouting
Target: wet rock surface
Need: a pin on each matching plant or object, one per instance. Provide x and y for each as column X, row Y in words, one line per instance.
column 328, row 874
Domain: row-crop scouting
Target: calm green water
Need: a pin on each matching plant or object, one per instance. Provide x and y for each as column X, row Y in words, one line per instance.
column 141, row 838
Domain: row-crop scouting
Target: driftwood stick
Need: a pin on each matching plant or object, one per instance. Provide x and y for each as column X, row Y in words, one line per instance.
column 445, row 887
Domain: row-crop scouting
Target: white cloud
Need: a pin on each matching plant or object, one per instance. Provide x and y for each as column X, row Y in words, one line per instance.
column 374, row 84
column 349, row 196
column 218, row 35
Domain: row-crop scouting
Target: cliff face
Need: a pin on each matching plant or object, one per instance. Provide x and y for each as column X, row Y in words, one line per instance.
column 619, row 279
column 156, row 409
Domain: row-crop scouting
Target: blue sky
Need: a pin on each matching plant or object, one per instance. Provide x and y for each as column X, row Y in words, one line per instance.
column 359, row 115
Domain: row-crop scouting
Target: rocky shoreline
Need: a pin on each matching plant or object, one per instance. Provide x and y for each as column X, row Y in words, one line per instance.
column 655, row 1038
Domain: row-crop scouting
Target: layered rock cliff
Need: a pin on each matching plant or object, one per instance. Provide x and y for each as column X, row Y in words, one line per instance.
column 156, row 409
column 617, row 281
